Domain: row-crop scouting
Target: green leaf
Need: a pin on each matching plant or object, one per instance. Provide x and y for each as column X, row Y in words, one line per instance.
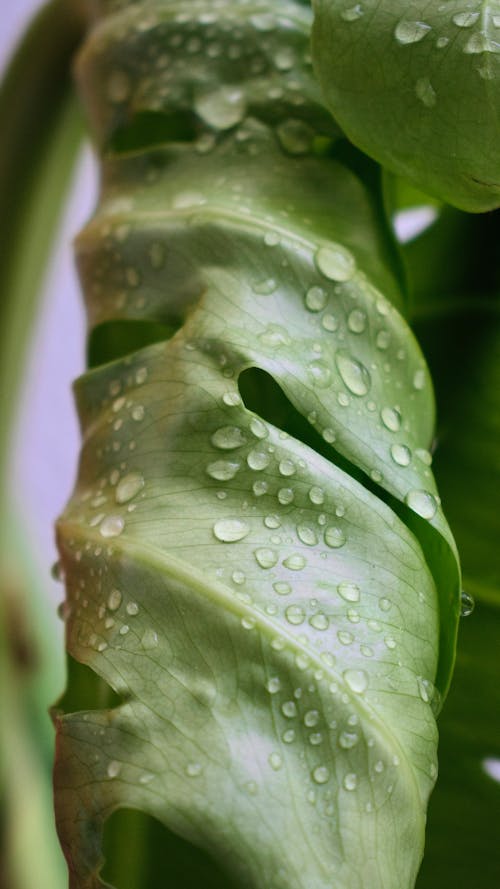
column 255, row 554
column 416, row 88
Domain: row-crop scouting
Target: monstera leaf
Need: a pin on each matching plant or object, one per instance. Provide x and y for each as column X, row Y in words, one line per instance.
column 256, row 559
column 415, row 86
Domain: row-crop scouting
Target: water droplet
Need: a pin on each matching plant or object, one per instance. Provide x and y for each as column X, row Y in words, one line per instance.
column 411, row 32
column 258, row 428
column 266, row 557
column 466, row 604
column 272, row 521
column 316, row 299
column 295, row 562
column 231, row 399
column 265, row 287
column 320, row 373
column 193, row 769
column 356, row 321
column 275, row 761
column 114, row 600
column 316, row 495
column 352, row 14
column 401, row 454
column 379, row 767
column 114, row 768
column 138, row 413
column 391, row 418
column 282, row 588
column 128, row 487
column 465, row 19
column 221, row 108
column 424, row 689
column 285, row 496
column 384, row 604
column 295, row 615
column 132, row 608
column 425, row 91
column 334, row 537
column 273, row 685
column 271, row 239
column 345, row 637
column 349, row 591
column 223, row 470
column 112, row 526
column 347, row 740
column 357, row 680
column 335, row 262
column 423, row 503
column 227, row 438
column 321, row 775
column 419, row 379
column 258, row 460
column 353, row 373
column 307, row 535
column 329, row 322
column 287, row 467
column 149, row 639
column 260, row 488
column 230, row 530
column 441, row 42
column 311, row 718
column 289, row 709
column 319, row 621
column 350, row 781
column 295, row 136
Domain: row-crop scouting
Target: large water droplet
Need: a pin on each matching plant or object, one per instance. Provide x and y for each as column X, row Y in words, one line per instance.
column 356, row 321
column 128, row 487
column 335, row 262
column 230, row 530
column 258, row 460
column 391, row 418
column 316, row 495
column 316, row 299
column 401, row 454
column 467, row 604
column 334, row 537
column 465, row 19
column 221, row 108
column 223, row 470
column 266, row 557
column 295, row 562
column 307, row 535
column 349, row 591
column 319, row 621
column 411, row 32
column 112, row 526
column 295, row 615
column 354, row 374
column 357, row 680
column 227, row 438
column 423, row 503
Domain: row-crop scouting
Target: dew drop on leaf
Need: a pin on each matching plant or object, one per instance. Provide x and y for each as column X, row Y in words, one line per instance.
column 335, row 262
column 423, row 503
column 353, row 373
column 230, row 530
column 467, row 604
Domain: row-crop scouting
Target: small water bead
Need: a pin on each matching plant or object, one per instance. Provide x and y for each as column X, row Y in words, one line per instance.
column 271, row 239
column 352, row 14
column 295, row 562
column 194, row 769
column 329, row 322
column 334, row 537
column 265, row 287
column 424, row 689
column 295, row 136
column 129, row 487
column 307, row 535
column 132, row 608
column 295, row 615
column 441, row 42
column 345, row 637
column 357, row 680
column 149, row 639
column 353, row 616
column 321, row 775
column 382, row 340
column 289, row 709
column 248, row 623
column 231, row 399
column 287, row 467
column 111, row 526
column 258, row 428
column 320, row 373
column 138, row 413
column 379, row 767
column 114, row 768
column 311, row 718
column 227, row 438
column 384, row 604
column 258, row 460
column 272, row 521
column 223, row 470
column 316, row 299
column 316, row 495
column 335, row 263
column 114, row 600
column 401, row 454
column 354, row 374
column 230, row 530
column 465, row 19
column 282, row 588
column 348, row 740
column 390, row 643
column 391, row 418
column 350, row 781
column 425, row 91
column 419, row 379
column 316, row 738
column 411, row 32
column 221, row 108
column 260, row 488
column 422, row 502
column 266, row 558
column 467, row 604
column 285, row 496
column 275, row 761
column 356, row 321
column 273, row 685
column 349, row 591
column 319, row 621
column 288, row 736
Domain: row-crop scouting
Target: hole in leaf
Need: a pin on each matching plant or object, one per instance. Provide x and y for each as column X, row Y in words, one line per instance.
column 116, row 339
column 86, row 690
column 141, row 853
column 148, row 128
